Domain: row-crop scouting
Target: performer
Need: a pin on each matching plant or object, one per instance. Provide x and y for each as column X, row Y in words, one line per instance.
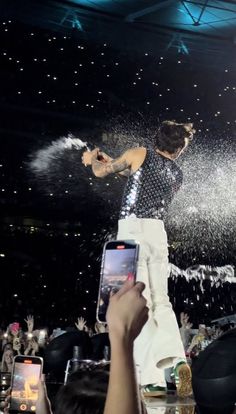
column 153, row 180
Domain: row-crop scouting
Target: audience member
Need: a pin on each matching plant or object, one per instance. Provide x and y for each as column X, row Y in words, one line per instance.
column 85, row 393
column 7, row 360
column 126, row 315
column 185, row 329
column 214, row 375
column 88, row 391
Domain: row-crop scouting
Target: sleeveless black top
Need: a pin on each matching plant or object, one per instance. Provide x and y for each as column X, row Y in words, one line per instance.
column 150, row 190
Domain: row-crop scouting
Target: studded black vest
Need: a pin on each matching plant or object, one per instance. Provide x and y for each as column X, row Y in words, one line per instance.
column 150, row 190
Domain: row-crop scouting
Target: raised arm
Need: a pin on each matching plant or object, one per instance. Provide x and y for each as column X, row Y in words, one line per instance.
column 106, row 159
column 126, row 315
column 102, row 168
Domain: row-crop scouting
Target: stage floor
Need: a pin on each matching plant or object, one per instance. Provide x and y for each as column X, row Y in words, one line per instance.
column 171, row 404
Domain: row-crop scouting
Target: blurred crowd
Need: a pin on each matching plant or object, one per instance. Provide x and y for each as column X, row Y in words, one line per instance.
column 99, row 382
column 16, row 340
column 196, row 340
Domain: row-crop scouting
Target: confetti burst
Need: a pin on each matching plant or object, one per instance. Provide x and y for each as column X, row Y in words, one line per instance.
column 199, row 272
column 45, row 157
column 202, row 216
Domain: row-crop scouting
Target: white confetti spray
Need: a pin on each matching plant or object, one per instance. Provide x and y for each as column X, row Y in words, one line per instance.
column 45, row 156
column 202, row 272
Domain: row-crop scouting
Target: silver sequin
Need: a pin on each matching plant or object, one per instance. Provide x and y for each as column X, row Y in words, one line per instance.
column 150, row 190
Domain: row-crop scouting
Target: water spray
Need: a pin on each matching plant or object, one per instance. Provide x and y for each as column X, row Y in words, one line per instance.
column 44, row 157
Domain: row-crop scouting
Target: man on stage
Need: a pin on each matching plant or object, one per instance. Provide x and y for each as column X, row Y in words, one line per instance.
column 153, row 180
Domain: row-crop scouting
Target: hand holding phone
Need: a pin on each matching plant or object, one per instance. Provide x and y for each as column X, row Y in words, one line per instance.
column 25, row 379
column 127, row 312
column 120, row 259
column 43, row 405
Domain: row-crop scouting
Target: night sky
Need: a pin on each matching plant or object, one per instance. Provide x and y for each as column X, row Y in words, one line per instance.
column 54, row 222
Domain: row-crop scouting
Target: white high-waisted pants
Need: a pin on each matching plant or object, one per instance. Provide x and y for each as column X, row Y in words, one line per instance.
column 159, row 344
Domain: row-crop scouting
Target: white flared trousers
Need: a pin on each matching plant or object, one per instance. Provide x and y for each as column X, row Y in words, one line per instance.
column 159, row 344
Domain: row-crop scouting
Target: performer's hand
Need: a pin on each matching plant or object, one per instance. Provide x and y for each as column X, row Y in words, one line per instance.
column 103, row 157
column 88, row 156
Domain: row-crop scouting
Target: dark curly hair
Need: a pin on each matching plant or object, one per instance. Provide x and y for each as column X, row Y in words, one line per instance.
column 85, row 393
column 171, row 136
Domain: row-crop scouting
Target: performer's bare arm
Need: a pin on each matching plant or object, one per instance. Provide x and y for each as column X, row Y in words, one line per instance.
column 127, row 163
column 118, row 165
column 107, row 159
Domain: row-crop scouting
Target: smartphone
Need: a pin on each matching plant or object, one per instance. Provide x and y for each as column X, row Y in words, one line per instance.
column 26, row 374
column 119, row 260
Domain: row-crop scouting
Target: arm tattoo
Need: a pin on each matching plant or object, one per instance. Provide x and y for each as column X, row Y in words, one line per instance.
column 115, row 166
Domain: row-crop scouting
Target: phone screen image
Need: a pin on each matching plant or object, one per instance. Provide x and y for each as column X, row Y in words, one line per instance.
column 25, row 386
column 119, row 261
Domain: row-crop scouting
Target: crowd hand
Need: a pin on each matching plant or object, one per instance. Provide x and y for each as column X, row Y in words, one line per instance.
column 81, row 325
column 100, row 327
column 184, row 319
column 32, row 345
column 218, row 332
column 127, row 312
column 43, row 405
column 30, row 323
column 16, row 344
column 195, row 341
column 88, row 156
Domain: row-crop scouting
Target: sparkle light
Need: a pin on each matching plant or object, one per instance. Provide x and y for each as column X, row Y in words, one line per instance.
column 103, row 74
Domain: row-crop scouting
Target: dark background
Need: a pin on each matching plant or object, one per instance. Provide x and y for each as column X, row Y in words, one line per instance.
column 109, row 82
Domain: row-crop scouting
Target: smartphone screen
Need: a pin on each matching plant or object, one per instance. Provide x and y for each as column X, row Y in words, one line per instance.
column 119, row 261
column 26, row 374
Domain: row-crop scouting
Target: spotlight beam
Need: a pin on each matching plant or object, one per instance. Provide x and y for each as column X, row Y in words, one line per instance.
column 147, row 10
column 202, row 11
column 189, row 13
column 211, row 6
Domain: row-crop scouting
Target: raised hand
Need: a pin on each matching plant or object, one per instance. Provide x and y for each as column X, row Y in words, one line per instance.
column 103, row 157
column 81, row 325
column 30, row 323
column 184, row 319
column 189, row 325
column 100, row 327
column 43, row 405
column 17, row 344
column 88, row 156
column 127, row 311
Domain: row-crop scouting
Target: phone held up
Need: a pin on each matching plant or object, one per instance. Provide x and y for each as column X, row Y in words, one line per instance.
column 26, row 374
column 119, row 260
